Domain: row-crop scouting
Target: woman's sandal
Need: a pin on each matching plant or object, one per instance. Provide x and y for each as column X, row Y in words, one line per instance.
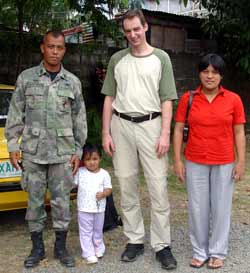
column 197, row 263
column 215, row 263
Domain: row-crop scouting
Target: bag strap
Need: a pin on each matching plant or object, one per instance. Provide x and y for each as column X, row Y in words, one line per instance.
column 190, row 100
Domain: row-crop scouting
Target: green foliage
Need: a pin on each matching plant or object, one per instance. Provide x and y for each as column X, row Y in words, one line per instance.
column 136, row 4
column 174, row 185
column 95, row 133
column 9, row 43
column 94, row 126
column 228, row 22
column 106, row 6
column 36, row 16
column 99, row 13
column 184, row 2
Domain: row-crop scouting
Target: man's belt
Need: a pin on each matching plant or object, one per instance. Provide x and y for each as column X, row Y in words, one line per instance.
column 138, row 119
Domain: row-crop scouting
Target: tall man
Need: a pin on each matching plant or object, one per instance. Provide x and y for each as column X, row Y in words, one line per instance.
column 47, row 111
column 137, row 113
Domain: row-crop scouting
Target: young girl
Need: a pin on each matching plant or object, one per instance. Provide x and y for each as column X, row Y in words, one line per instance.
column 94, row 185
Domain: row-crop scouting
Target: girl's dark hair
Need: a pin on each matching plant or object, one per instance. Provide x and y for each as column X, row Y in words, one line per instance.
column 215, row 60
column 90, row 149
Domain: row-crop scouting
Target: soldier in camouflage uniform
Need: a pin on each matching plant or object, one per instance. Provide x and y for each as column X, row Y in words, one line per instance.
column 47, row 111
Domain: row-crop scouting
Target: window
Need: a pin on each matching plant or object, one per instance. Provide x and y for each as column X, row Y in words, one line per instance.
column 5, row 97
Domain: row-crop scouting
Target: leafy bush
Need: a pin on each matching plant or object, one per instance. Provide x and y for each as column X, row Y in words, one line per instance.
column 95, row 133
column 94, row 126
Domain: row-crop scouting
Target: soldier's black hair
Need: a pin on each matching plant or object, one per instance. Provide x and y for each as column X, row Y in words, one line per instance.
column 54, row 33
column 89, row 149
column 215, row 60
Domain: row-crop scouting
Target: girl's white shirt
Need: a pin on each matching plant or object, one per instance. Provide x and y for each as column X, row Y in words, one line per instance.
column 89, row 183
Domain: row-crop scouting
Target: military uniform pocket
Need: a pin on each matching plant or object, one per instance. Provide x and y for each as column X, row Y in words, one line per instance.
column 34, row 98
column 30, row 140
column 65, row 96
column 65, row 141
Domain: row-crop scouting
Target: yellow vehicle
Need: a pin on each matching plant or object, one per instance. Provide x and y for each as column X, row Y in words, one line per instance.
column 11, row 194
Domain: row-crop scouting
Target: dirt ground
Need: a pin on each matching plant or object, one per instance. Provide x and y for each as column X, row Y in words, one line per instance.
column 15, row 242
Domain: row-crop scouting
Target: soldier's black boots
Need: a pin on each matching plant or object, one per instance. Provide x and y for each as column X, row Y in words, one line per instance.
column 37, row 253
column 60, row 251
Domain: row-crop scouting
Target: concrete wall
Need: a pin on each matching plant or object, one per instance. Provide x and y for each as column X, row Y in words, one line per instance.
column 84, row 64
column 78, row 61
column 185, row 71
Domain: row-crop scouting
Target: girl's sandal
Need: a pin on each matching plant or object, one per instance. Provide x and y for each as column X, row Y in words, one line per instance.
column 197, row 263
column 215, row 263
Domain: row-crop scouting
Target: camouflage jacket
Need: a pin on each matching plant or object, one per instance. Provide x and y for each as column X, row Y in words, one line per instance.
column 49, row 116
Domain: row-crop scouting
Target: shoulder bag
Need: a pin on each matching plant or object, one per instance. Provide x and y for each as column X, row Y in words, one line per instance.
column 186, row 125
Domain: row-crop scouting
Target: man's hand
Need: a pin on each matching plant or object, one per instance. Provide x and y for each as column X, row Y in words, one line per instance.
column 14, row 158
column 107, row 141
column 162, row 146
column 74, row 162
column 108, row 144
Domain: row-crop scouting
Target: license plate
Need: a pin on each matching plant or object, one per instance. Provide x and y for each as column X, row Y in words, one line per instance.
column 7, row 170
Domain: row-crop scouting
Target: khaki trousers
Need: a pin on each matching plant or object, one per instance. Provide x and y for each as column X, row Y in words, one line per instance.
column 136, row 142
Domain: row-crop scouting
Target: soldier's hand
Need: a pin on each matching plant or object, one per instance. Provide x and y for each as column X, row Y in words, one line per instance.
column 74, row 163
column 14, row 158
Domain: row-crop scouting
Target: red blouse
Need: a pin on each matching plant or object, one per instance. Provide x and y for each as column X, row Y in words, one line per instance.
column 211, row 135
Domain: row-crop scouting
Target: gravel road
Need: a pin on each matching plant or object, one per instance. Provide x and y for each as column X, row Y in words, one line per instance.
column 237, row 262
column 15, row 242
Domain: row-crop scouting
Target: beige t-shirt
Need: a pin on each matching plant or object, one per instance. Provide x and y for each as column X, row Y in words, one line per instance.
column 139, row 84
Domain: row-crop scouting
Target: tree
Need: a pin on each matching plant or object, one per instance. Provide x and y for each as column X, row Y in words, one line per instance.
column 184, row 2
column 228, row 22
column 38, row 16
column 99, row 13
column 28, row 15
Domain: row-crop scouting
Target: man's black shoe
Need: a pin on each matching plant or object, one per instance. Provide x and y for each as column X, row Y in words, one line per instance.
column 166, row 258
column 131, row 252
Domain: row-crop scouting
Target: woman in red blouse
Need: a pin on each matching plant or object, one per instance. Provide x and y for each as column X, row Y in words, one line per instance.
column 216, row 135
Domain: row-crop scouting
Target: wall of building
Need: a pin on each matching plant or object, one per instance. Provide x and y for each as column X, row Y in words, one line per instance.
column 168, row 38
column 83, row 64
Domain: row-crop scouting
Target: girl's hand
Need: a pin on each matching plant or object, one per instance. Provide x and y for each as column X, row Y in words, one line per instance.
column 100, row 195
column 179, row 170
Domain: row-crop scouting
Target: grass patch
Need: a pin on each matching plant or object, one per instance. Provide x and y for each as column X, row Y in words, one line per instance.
column 174, row 185
column 106, row 161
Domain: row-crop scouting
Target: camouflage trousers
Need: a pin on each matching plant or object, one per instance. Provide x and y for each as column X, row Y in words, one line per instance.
column 58, row 179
